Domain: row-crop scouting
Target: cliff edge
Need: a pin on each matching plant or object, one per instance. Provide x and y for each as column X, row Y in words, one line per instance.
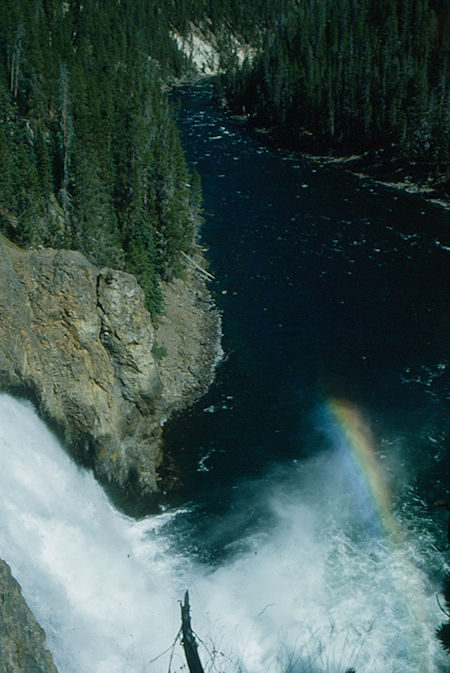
column 80, row 341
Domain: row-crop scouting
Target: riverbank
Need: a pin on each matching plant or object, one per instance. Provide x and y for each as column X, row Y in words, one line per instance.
column 363, row 167
column 370, row 165
column 188, row 337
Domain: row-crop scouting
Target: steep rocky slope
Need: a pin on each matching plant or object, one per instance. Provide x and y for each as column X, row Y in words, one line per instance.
column 79, row 340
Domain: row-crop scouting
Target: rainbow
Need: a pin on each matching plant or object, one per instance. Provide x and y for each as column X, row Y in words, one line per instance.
column 353, row 434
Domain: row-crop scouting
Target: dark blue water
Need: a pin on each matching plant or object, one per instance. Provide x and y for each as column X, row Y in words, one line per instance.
column 329, row 286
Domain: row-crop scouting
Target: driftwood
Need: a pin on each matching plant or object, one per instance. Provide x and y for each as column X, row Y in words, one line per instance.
column 189, row 642
column 206, row 273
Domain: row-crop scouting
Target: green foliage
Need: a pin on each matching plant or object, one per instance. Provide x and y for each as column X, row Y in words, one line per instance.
column 90, row 156
column 354, row 75
column 159, row 351
column 245, row 19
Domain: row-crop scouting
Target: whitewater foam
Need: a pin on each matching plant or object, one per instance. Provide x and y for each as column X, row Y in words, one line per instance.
column 310, row 590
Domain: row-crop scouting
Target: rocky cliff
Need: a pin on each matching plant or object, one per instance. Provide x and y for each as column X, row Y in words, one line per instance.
column 79, row 340
column 22, row 641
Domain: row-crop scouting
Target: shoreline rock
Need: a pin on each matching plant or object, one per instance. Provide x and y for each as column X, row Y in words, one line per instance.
column 190, row 332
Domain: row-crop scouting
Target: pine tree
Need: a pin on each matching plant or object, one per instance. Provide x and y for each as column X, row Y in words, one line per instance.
column 84, row 170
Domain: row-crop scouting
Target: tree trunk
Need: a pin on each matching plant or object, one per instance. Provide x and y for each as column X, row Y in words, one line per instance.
column 189, row 642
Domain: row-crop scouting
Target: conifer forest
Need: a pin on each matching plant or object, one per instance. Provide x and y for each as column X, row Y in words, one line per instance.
column 355, row 76
column 89, row 149
column 90, row 156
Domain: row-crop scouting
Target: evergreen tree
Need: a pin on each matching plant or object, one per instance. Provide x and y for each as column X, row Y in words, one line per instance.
column 101, row 173
column 354, row 75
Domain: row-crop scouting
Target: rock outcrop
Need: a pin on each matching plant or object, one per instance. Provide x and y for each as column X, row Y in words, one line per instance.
column 22, row 641
column 79, row 340
column 207, row 49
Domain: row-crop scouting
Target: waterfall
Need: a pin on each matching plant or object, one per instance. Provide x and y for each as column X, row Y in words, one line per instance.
column 310, row 591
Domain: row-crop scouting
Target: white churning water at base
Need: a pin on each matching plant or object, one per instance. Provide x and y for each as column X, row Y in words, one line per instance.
column 312, row 593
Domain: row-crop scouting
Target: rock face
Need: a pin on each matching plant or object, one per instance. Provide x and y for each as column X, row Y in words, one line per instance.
column 205, row 48
column 79, row 340
column 22, row 641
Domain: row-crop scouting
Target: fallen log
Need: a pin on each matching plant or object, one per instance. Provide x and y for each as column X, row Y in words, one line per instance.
column 206, row 273
column 189, row 643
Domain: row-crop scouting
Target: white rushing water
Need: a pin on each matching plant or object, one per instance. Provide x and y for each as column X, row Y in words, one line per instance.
column 312, row 592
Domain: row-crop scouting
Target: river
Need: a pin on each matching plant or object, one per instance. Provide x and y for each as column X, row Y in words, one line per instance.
column 306, row 524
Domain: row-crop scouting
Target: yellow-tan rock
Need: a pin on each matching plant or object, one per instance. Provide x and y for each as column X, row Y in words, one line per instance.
column 79, row 341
